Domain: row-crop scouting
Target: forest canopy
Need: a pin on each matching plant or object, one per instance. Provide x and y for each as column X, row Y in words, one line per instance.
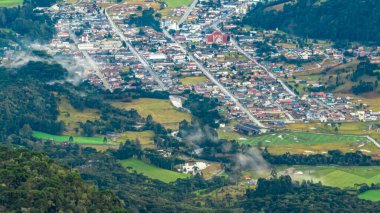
column 333, row 19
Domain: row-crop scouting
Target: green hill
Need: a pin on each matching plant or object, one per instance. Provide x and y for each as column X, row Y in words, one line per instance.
column 31, row 182
column 331, row 19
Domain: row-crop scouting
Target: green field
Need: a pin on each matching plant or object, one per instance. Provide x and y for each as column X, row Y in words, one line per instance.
column 371, row 195
column 304, row 138
column 9, row 3
column 145, row 138
column 336, row 176
column 60, row 139
column 177, row 3
column 151, row 171
column 188, row 81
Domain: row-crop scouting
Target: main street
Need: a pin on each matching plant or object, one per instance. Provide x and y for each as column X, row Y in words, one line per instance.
column 90, row 61
column 188, row 11
column 216, row 82
column 134, row 51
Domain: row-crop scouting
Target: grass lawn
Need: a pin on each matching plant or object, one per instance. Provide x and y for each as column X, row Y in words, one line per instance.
column 57, row 138
column 371, row 195
column 151, row 171
column 336, row 176
column 177, row 3
column 193, row 80
column 145, row 138
column 161, row 110
column 10, row 3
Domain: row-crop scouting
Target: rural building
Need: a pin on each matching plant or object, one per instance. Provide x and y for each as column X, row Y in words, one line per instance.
column 193, row 167
column 248, row 129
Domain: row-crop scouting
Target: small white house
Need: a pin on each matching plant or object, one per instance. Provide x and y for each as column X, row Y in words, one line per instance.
column 193, row 167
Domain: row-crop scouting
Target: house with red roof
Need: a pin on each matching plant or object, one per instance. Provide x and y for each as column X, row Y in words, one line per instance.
column 217, row 37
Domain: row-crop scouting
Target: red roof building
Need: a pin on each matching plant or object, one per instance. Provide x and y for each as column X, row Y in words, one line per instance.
column 217, row 37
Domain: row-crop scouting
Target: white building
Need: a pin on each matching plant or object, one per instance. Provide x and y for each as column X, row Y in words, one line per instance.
column 193, row 167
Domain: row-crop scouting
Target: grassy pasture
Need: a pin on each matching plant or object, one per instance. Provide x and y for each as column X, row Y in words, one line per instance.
column 77, row 139
column 193, row 80
column 337, row 176
column 371, row 195
column 145, row 138
column 10, row 3
column 151, row 171
column 71, row 117
column 161, row 110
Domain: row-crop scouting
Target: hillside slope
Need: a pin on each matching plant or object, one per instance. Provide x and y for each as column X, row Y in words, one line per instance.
column 332, row 19
column 31, row 182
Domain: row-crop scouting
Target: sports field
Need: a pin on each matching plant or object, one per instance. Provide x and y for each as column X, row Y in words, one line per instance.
column 305, row 138
column 151, row 171
column 161, row 110
column 10, row 3
column 336, row 176
column 60, row 139
column 309, row 143
column 371, row 195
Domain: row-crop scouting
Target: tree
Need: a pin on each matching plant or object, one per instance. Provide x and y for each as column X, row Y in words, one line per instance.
column 71, row 139
column 26, row 131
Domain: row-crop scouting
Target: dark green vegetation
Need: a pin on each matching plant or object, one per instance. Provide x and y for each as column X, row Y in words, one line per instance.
column 26, row 102
column 333, row 157
column 204, row 109
column 31, row 181
column 332, row 19
column 26, row 22
column 302, row 197
column 148, row 18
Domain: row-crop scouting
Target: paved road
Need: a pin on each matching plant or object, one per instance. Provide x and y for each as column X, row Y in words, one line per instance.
column 216, row 82
column 134, row 52
column 92, row 63
column 188, row 11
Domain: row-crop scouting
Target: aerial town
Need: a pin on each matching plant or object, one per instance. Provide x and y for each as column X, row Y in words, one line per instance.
column 202, row 43
column 189, row 106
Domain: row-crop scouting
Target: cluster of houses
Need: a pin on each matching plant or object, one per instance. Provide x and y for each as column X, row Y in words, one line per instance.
column 83, row 30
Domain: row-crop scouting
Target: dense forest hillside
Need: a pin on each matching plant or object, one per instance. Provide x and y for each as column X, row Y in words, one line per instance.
column 332, row 19
column 31, row 182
